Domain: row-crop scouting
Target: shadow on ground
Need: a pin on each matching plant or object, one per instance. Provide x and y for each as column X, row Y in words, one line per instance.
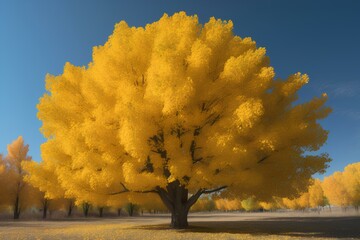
column 333, row 227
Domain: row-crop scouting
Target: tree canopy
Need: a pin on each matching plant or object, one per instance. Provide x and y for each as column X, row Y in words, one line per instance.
column 180, row 109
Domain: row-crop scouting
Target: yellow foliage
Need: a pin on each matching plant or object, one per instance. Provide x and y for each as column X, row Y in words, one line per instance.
column 343, row 188
column 316, row 194
column 178, row 104
column 203, row 204
column 335, row 190
column 351, row 177
column 16, row 193
column 250, row 204
column 225, row 204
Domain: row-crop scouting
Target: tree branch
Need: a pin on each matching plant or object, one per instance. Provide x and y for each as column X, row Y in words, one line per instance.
column 165, row 198
column 192, row 200
column 127, row 190
column 214, row 190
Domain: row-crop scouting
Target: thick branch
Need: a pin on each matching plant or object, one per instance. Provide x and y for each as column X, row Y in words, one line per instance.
column 266, row 157
column 263, row 159
column 192, row 200
column 165, row 198
column 214, row 190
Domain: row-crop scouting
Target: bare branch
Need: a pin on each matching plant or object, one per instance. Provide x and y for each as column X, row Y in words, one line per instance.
column 214, row 190
column 266, row 157
column 127, row 190
column 192, row 200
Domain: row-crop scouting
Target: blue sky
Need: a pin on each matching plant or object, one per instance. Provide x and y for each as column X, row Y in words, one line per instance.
column 320, row 38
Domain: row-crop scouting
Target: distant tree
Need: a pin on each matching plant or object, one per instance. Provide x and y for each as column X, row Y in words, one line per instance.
column 351, row 180
column 101, row 210
column 18, row 192
column 69, row 206
column 204, row 204
column 316, row 195
column 225, row 204
column 131, row 208
column 180, row 109
column 2, row 180
column 335, row 190
column 250, row 204
column 86, row 208
column 300, row 203
column 272, row 204
column 343, row 188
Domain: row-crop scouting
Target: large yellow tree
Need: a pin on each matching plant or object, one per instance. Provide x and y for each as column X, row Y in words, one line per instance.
column 180, row 109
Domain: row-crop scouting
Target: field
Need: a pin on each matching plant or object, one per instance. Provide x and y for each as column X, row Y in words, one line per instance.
column 278, row 225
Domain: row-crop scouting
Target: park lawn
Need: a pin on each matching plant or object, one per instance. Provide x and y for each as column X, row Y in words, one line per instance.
column 202, row 226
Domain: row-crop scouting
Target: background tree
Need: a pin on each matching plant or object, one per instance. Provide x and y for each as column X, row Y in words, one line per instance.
column 225, row 204
column 203, row 204
column 2, row 180
column 18, row 192
column 250, row 204
column 273, row 204
column 85, row 208
column 180, row 109
column 335, row 190
column 131, row 208
column 316, row 195
column 351, row 180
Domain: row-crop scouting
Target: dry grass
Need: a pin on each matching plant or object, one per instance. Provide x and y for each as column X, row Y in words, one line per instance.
column 203, row 226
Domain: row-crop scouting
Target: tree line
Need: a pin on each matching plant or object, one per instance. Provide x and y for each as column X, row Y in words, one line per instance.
column 18, row 195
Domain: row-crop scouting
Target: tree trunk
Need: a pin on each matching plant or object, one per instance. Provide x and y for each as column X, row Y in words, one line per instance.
column 70, row 208
column 101, row 210
column 179, row 219
column 17, row 208
column 86, row 207
column 119, row 212
column 175, row 198
column 45, row 208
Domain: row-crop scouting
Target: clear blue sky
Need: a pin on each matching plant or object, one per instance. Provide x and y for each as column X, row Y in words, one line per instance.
column 321, row 38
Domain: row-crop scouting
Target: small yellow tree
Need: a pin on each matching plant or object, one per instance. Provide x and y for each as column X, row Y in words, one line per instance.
column 18, row 192
column 250, row 204
column 180, row 109
column 2, row 180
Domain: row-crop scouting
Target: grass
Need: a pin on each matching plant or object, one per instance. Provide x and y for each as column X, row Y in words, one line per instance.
column 202, row 226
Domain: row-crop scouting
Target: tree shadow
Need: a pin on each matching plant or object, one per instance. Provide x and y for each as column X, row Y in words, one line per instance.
column 333, row 227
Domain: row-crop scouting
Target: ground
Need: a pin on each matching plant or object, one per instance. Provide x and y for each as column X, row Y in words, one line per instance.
column 276, row 225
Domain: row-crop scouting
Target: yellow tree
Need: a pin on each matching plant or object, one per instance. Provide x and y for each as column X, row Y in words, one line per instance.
column 351, row 180
column 335, row 190
column 273, row 204
column 2, row 180
column 250, row 204
column 203, row 204
column 225, row 204
column 180, row 109
column 316, row 195
column 18, row 192
column 300, row 203
column 44, row 178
